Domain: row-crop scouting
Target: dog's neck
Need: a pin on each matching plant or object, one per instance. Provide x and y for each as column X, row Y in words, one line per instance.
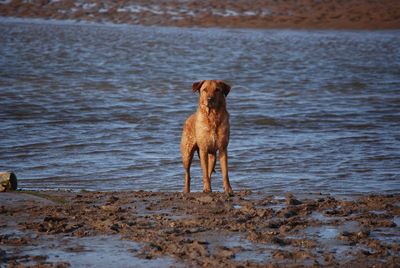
column 212, row 112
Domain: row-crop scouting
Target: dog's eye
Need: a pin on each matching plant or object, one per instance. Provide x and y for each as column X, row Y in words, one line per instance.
column 218, row 90
column 204, row 90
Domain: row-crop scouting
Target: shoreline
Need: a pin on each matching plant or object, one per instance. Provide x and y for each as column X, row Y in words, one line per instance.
column 303, row 14
column 61, row 22
column 175, row 229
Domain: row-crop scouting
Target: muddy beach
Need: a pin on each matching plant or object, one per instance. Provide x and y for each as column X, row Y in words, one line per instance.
column 250, row 229
column 304, row 14
column 170, row 229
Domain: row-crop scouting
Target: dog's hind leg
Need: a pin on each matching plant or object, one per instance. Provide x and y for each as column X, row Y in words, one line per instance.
column 212, row 159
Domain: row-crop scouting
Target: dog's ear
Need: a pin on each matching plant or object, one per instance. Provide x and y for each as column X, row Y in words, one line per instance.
column 197, row 85
column 225, row 88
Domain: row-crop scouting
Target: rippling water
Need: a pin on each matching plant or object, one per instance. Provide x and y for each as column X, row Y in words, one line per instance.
column 101, row 107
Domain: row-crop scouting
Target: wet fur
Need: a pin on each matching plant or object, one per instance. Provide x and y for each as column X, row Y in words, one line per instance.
column 207, row 132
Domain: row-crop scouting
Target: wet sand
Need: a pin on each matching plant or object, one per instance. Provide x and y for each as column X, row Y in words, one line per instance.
column 45, row 229
column 296, row 14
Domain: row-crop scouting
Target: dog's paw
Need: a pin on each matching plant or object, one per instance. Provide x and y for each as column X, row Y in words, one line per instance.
column 207, row 190
column 229, row 192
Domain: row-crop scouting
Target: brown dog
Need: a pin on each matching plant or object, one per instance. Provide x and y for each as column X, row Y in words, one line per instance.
column 207, row 131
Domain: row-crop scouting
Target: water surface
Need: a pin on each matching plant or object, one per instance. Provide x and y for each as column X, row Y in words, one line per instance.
column 101, row 107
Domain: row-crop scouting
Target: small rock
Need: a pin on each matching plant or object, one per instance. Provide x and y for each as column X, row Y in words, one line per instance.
column 363, row 234
column 115, row 227
column 8, row 181
column 365, row 253
column 274, row 224
column 156, row 247
column 281, row 255
column 248, row 209
column 108, row 207
column 39, row 258
column 345, row 233
column 279, row 241
column 205, row 199
column 113, row 199
column 225, row 252
column 291, row 200
column 290, row 213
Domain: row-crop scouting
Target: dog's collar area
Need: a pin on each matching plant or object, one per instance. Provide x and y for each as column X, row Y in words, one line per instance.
column 208, row 109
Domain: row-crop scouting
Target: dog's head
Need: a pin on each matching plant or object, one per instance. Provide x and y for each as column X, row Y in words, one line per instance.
column 212, row 93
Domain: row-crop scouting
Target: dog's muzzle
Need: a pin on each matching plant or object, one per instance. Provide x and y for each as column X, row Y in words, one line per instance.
column 210, row 102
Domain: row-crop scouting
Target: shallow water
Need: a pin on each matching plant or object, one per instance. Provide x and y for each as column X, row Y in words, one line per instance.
column 101, row 107
column 96, row 251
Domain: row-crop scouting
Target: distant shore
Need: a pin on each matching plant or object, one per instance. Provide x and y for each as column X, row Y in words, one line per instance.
column 303, row 14
column 247, row 230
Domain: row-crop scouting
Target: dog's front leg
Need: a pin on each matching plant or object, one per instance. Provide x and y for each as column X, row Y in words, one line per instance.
column 223, row 160
column 204, row 168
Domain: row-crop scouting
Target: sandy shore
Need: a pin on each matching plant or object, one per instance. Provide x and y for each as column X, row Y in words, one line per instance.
column 297, row 14
column 172, row 229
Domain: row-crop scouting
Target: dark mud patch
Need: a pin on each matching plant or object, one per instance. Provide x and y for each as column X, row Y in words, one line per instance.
column 248, row 229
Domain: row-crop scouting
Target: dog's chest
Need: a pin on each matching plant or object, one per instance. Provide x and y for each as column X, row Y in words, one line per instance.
column 213, row 137
column 210, row 132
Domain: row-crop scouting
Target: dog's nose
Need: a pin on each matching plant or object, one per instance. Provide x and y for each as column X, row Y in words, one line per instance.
column 210, row 99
